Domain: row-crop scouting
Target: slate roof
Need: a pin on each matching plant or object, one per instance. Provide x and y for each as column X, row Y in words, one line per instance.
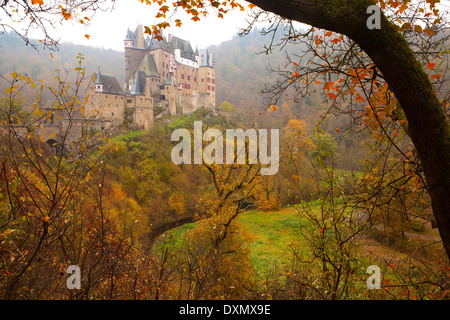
column 204, row 59
column 110, row 83
column 138, row 88
column 185, row 47
column 148, row 65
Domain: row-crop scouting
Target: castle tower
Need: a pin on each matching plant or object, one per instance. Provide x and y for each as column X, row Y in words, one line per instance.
column 134, row 45
column 140, row 42
column 206, row 74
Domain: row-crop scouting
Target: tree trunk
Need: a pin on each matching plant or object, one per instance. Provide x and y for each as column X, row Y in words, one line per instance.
column 428, row 126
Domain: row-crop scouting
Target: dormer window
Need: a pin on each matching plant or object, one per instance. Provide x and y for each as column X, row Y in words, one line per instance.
column 98, row 88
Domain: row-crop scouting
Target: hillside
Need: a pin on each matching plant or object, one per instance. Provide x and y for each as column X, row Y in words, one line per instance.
column 41, row 64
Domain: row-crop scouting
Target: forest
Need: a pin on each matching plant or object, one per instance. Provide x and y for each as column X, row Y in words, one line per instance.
column 354, row 189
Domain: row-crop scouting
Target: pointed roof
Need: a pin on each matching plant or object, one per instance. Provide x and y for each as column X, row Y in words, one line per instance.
column 128, row 36
column 98, row 77
column 138, row 88
column 204, row 58
column 148, row 65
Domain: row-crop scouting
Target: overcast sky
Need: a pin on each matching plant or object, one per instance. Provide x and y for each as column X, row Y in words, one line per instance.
column 107, row 29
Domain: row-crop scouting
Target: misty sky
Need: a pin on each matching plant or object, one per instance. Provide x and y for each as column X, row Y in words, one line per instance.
column 107, row 29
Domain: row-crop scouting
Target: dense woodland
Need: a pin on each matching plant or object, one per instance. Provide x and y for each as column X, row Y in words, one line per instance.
column 141, row 227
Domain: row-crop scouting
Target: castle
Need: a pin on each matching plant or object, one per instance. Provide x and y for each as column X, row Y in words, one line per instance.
column 163, row 76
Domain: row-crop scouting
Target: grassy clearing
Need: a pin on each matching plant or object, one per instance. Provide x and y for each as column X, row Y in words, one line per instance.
column 272, row 234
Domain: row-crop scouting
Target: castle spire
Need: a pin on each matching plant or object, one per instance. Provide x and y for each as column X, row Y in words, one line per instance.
column 98, row 82
column 98, row 79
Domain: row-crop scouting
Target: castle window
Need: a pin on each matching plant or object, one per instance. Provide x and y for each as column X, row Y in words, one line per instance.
column 182, row 76
column 129, row 101
column 112, row 113
column 163, row 64
column 189, row 78
column 213, row 88
column 209, row 88
column 195, row 79
column 213, row 80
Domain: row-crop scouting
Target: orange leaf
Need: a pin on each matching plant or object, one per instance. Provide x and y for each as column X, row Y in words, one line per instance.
column 87, row 36
column 336, row 40
column 436, row 76
column 428, row 31
column 41, row 2
column 295, row 74
column 332, row 95
column 321, row 230
column 431, row 65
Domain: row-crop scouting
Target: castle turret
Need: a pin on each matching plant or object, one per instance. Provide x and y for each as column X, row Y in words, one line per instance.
column 128, row 41
column 98, row 82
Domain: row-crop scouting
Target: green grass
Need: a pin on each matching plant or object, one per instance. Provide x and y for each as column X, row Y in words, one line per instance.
column 272, row 234
column 130, row 135
column 173, row 238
